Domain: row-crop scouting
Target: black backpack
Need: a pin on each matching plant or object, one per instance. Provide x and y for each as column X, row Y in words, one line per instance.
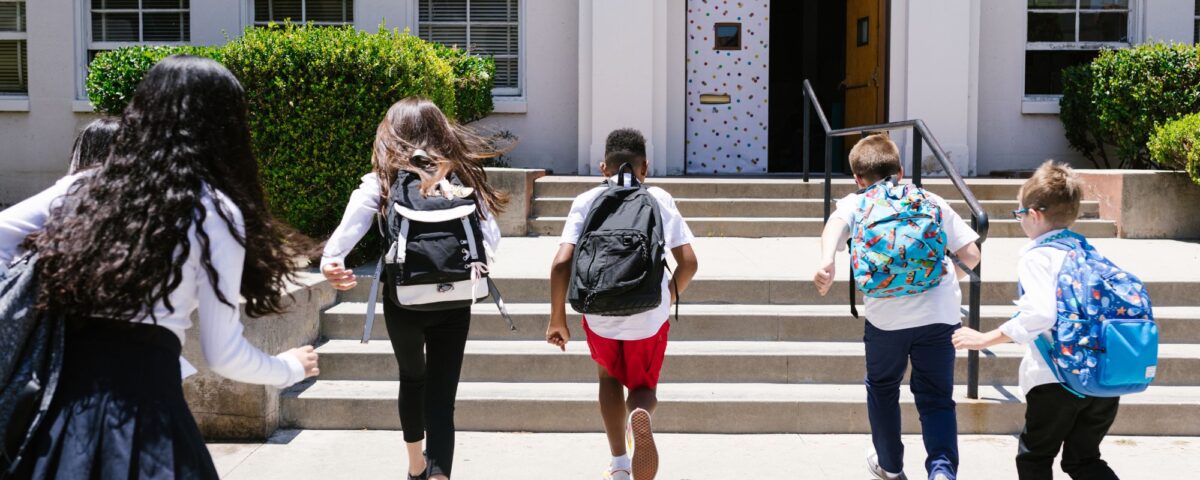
column 31, row 355
column 620, row 257
column 436, row 258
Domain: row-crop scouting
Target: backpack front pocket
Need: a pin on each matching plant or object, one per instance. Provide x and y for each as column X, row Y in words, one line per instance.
column 435, row 257
column 1131, row 353
column 618, row 262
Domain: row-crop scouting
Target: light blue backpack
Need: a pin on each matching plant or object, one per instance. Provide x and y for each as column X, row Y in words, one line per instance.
column 897, row 243
column 1105, row 342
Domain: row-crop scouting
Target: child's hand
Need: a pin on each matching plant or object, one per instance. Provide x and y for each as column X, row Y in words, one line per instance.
column 308, row 358
column 558, row 334
column 971, row 339
column 823, row 278
column 339, row 277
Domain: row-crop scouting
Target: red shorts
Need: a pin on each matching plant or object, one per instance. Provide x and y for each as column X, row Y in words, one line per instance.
column 634, row 363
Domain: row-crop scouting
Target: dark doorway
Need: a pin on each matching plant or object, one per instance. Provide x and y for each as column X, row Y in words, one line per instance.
column 809, row 41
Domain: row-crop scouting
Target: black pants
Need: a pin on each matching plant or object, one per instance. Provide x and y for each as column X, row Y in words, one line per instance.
column 1056, row 417
column 429, row 349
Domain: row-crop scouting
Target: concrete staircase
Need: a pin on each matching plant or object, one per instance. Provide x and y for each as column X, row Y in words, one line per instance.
column 756, row 350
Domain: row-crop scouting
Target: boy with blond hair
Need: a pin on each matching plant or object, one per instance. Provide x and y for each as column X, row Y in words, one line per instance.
column 912, row 303
column 1055, row 417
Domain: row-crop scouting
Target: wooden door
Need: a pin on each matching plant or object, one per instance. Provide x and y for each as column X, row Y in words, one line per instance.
column 866, row 50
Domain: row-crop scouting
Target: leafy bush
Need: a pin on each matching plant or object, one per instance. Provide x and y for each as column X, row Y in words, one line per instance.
column 114, row 75
column 1078, row 115
column 1131, row 92
column 316, row 96
column 473, row 82
column 1176, row 145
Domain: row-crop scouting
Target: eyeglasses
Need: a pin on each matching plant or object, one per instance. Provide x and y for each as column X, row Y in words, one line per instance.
column 1020, row 212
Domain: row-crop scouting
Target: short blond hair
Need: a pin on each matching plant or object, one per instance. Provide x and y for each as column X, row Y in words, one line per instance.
column 1055, row 190
column 875, row 157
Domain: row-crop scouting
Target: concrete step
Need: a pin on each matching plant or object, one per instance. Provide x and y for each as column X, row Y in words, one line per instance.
column 788, row 207
column 709, row 187
column 700, row 362
column 706, row 408
column 742, row 291
column 761, row 227
column 794, row 323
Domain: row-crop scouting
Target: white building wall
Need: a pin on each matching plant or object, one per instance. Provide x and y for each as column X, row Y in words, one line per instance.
column 1009, row 139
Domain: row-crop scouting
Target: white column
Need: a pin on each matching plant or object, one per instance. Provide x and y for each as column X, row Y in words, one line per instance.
column 369, row 14
column 1167, row 21
column 212, row 20
column 939, row 79
column 630, row 70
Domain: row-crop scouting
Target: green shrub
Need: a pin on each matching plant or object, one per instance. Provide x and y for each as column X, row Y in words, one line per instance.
column 1132, row 90
column 473, row 82
column 114, row 75
column 1079, row 118
column 316, row 96
column 1176, row 145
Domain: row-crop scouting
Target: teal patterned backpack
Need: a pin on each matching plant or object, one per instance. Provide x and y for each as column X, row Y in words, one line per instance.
column 897, row 244
column 1105, row 341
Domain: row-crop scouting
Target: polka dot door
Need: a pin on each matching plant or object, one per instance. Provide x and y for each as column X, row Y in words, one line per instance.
column 727, row 79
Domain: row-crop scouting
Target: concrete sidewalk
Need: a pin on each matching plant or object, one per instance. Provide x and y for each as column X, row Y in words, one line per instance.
column 360, row 455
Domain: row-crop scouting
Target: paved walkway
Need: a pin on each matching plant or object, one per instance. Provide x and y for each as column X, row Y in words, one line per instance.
column 362, row 455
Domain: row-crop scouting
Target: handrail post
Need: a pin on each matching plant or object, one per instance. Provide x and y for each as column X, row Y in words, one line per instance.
column 828, row 173
column 807, row 114
column 973, row 321
column 916, row 157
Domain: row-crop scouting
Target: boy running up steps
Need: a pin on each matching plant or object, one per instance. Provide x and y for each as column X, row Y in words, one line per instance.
column 611, row 265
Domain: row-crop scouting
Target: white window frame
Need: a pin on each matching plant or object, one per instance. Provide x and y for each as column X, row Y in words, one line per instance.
column 515, row 96
column 84, row 42
column 19, row 36
column 304, row 15
column 1048, row 103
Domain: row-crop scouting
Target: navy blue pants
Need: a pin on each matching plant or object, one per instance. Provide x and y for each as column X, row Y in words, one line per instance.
column 932, row 384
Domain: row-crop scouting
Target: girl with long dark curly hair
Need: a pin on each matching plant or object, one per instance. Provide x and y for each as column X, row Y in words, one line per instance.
column 415, row 142
column 173, row 222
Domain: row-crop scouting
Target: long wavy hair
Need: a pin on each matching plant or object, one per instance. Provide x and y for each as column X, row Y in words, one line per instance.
column 93, row 144
column 117, row 243
column 415, row 123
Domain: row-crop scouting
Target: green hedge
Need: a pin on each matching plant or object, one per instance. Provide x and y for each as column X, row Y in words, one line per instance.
column 472, row 82
column 1125, row 94
column 1176, row 145
column 316, row 96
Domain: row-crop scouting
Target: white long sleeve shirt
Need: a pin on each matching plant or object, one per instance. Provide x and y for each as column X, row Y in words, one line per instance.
column 1037, row 309
column 227, row 352
column 360, row 216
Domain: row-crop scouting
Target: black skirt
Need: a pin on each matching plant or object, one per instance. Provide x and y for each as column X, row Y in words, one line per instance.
column 119, row 412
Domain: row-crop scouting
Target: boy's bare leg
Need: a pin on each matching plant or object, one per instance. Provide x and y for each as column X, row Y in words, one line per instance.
column 612, row 409
column 643, row 398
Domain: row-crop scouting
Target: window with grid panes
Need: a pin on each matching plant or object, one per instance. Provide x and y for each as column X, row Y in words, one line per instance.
column 482, row 27
column 319, row 12
column 1062, row 33
column 119, row 23
column 14, row 71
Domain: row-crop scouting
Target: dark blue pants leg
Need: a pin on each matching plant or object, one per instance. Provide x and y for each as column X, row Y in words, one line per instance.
column 887, row 359
column 932, row 385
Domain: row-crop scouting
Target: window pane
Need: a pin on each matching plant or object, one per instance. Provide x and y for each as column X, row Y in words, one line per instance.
column 490, row 11
column 262, row 10
column 12, row 17
column 115, row 27
column 285, row 9
column 14, row 76
column 1043, row 69
column 506, row 73
column 1104, row 4
column 326, row 10
column 454, row 36
column 489, row 40
column 1196, row 31
column 1044, row 4
column 444, row 11
column 1051, row 27
column 164, row 4
column 1104, row 27
column 115, row 4
column 165, row 27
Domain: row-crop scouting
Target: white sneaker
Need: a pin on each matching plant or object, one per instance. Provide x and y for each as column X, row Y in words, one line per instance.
column 941, row 476
column 877, row 471
column 617, row 474
column 645, row 453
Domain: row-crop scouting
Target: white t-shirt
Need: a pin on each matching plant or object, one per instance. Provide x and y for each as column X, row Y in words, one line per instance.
column 940, row 304
column 1037, row 309
column 676, row 233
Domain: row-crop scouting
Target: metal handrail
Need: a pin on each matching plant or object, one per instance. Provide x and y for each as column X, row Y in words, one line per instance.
column 921, row 134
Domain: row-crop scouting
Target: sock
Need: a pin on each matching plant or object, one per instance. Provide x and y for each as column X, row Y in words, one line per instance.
column 622, row 462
